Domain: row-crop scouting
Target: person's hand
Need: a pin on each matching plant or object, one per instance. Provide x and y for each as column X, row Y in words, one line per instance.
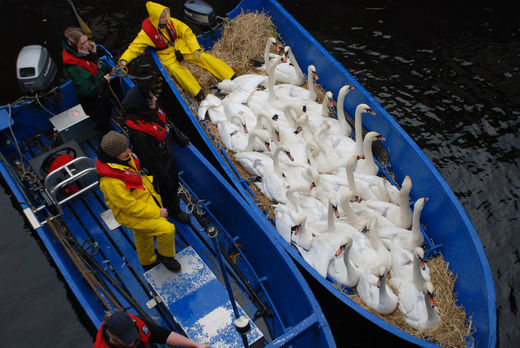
column 164, row 212
column 91, row 46
column 196, row 54
column 121, row 65
column 107, row 77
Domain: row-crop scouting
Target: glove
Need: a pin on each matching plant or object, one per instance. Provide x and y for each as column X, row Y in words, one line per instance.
column 121, row 65
column 179, row 56
column 196, row 54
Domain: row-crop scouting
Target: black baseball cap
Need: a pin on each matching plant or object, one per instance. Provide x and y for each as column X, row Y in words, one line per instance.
column 121, row 325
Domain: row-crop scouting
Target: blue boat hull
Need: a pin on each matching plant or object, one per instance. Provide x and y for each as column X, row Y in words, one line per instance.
column 296, row 317
column 446, row 222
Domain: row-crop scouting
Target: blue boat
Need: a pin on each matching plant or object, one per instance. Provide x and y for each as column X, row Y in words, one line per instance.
column 224, row 252
column 448, row 228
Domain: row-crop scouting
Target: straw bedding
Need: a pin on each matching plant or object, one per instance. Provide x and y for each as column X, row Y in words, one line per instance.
column 244, row 38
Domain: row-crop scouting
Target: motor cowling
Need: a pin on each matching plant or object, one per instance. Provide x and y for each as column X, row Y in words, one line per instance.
column 35, row 69
column 200, row 13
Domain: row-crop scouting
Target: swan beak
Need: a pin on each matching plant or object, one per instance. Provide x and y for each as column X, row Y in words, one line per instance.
column 245, row 129
column 296, row 229
column 336, row 211
column 267, row 146
column 316, row 77
column 381, row 138
column 431, row 301
column 360, row 157
column 277, row 47
column 422, row 264
column 352, row 88
column 340, row 250
column 380, row 281
column 289, row 155
column 357, row 199
column 371, row 112
column 298, row 130
column 284, row 58
column 277, row 134
column 426, row 199
column 313, row 185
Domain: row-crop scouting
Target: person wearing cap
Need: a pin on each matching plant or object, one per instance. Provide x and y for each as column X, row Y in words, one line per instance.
column 124, row 330
column 130, row 194
column 152, row 137
column 89, row 75
column 174, row 42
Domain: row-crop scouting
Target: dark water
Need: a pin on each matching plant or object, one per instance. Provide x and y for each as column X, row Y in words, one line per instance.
column 447, row 72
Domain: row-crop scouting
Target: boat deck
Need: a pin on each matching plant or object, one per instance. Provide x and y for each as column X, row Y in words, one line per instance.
column 84, row 228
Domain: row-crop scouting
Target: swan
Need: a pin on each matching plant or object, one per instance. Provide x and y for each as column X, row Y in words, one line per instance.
column 233, row 136
column 342, row 269
column 359, row 187
column 259, row 101
column 321, row 111
column 285, row 221
column 292, row 92
column 300, row 234
column 414, row 238
column 418, row 306
column 407, row 266
column 289, row 71
column 251, row 144
column 367, row 165
column 254, row 162
column 373, row 291
column 273, row 185
column 300, row 202
column 383, row 255
column 400, row 215
column 358, row 126
column 344, row 128
column 337, row 146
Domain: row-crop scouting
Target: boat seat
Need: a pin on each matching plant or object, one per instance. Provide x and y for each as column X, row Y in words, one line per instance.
column 198, row 302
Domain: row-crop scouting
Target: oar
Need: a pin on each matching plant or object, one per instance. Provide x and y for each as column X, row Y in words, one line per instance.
column 82, row 24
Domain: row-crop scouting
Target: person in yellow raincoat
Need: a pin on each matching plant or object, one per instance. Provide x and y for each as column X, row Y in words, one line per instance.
column 130, row 194
column 174, row 41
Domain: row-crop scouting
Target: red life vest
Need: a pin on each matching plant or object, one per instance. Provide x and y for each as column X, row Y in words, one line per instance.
column 58, row 163
column 158, row 40
column 69, row 58
column 144, row 333
column 154, row 129
column 131, row 179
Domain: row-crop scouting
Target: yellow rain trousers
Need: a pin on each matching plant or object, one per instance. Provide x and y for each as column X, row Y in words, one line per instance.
column 137, row 209
column 186, row 42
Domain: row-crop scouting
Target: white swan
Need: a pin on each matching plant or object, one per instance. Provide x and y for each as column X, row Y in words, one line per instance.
column 300, row 234
column 358, row 126
column 300, row 202
column 418, row 306
column 373, row 291
column 292, row 92
column 289, row 71
column 407, row 266
column 233, row 133
column 367, row 165
column 344, row 128
column 342, row 269
column 273, row 185
column 400, row 215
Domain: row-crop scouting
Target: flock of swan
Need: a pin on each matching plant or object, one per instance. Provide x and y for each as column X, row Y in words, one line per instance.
column 348, row 223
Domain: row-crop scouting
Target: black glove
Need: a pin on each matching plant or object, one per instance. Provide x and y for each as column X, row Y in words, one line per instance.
column 179, row 55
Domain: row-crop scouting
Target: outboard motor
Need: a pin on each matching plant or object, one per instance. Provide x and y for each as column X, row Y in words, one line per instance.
column 200, row 13
column 35, row 69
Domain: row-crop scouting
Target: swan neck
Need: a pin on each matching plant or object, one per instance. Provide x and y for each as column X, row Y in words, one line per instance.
column 358, row 126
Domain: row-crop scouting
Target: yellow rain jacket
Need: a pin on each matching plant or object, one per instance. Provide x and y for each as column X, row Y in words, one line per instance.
column 186, row 42
column 137, row 209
